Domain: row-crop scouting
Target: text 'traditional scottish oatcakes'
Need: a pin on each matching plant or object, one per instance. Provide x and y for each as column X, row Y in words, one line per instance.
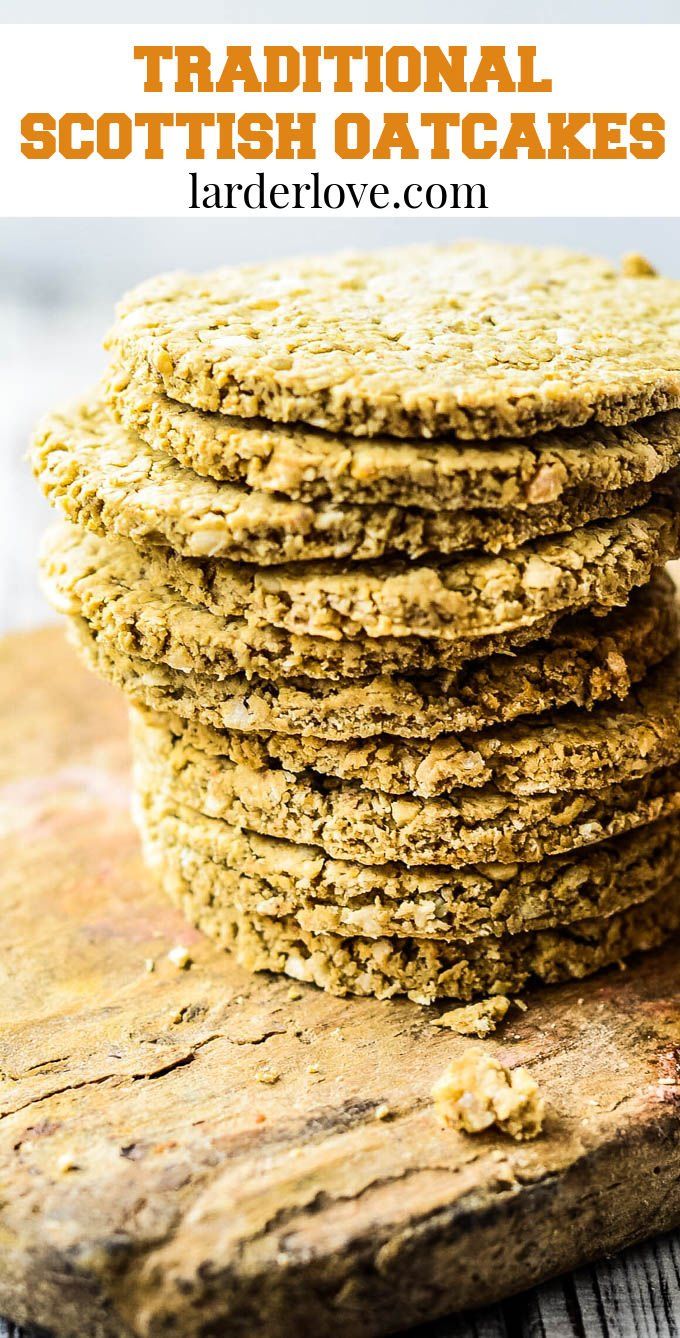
column 374, row 546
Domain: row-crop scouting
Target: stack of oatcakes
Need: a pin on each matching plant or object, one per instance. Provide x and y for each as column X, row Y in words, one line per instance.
column 374, row 545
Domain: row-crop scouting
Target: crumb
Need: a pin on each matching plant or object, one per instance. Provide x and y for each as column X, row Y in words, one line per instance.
column 149, row 964
column 635, row 266
column 180, row 957
column 66, row 1163
column 478, row 1019
column 382, row 1112
column 519, row 1003
column 260, row 1118
column 477, row 1092
column 313, row 1068
column 294, row 993
column 267, row 1074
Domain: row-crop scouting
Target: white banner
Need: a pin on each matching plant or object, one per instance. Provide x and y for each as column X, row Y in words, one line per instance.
column 266, row 120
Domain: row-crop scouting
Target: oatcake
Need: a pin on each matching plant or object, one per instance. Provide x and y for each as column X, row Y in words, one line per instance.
column 277, row 878
column 122, row 595
column 308, row 465
column 424, row 969
column 559, row 752
column 476, row 338
column 515, row 597
column 102, row 476
column 574, row 666
column 371, row 826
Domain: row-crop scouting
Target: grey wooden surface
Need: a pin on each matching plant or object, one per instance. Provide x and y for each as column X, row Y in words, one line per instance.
column 52, row 316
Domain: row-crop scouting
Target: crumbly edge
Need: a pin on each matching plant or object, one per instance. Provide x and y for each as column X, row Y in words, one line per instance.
column 277, row 879
column 207, row 613
column 461, row 601
column 558, row 753
column 370, row 827
column 308, row 465
column 121, row 594
column 425, row 970
column 100, row 476
column 577, row 669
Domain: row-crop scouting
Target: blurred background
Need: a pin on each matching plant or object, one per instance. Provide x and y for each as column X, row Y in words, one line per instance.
column 59, row 280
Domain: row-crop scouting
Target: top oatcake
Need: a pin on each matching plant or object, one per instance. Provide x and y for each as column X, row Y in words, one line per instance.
column 477, row 339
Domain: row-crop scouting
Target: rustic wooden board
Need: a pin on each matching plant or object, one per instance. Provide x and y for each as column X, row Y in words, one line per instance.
column 203, row 1201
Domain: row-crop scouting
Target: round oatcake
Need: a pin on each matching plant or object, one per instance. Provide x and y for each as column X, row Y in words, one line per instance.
column 477, row 338
column 555, row 753
column 584, row 661
column 101, row 476
column 423, row 969
column 466, row 601
column 308, row 465
column 349, row 821
column 277, row 879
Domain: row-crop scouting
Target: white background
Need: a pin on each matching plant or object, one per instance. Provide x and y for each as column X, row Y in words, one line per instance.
column 90, row 67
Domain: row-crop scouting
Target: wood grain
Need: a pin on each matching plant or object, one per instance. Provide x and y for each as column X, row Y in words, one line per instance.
column 152, row 1184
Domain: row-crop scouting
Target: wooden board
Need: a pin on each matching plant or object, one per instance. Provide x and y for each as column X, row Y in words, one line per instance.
column 202, row 1201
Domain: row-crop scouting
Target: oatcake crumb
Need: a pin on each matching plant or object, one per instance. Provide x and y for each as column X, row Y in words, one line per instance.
column 65, row 1163
column 267, row 1075
column 478, row 1019
column 634, row 266
column 180, row 957
column 477, row 1092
